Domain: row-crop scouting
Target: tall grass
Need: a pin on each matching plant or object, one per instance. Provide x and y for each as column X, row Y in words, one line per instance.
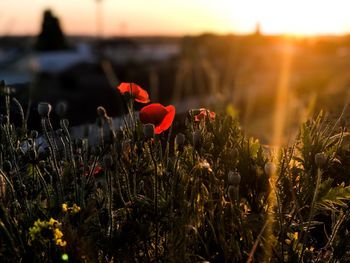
column 200, row 194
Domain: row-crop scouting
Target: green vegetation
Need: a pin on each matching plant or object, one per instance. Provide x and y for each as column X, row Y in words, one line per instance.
column 207, row 193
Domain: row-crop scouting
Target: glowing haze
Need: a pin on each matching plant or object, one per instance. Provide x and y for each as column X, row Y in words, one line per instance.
column 178, row 17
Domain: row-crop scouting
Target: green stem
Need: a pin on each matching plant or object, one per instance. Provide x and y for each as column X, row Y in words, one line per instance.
column 155, row 198
column 318, row 181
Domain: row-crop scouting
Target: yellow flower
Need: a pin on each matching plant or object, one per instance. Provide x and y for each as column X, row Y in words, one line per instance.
column 64, row 207
column 61, row 243
column 295, row 235
column 58, row 233
column 53, row 222
column 75, row 209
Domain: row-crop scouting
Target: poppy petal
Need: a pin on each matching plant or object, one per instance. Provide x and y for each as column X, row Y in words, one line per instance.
column 135, row 90
column 142, row 96
column 153, row 113
column 212, row 115
column 128, row 87
column 167, row 120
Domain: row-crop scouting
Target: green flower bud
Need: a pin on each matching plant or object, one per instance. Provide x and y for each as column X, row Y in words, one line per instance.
column 180, row 141
column 44, row 109
column 320, row 159
column 101, row 111
column 61, row 109
column 234, row 178
column 197, row 139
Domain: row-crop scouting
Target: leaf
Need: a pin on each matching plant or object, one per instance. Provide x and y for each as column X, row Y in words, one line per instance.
column 334, row 197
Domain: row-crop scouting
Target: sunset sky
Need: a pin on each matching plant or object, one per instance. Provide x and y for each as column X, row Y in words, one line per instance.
column 178, row 17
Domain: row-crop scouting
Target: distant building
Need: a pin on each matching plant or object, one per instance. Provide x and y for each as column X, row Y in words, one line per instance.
column 121, row 51
column 51, row 36
column 18, row 66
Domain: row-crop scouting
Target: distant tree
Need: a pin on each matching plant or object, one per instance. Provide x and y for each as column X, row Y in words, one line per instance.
column 51, row 36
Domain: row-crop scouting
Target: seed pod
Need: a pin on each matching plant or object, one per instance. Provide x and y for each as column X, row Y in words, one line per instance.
column 61, row 109
column 44, row 109
column 101, row 111
column 148, row 131
column 234, row 178
column 320, row 159
column 180, row 141
column 270, row 169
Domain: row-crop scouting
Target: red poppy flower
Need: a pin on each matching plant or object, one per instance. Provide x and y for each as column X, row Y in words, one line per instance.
column 204, row 113
column 161, row 117
column 96, row 170
column 136, row 91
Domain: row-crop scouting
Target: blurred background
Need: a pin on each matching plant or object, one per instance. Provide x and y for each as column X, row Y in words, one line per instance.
column 272, row 63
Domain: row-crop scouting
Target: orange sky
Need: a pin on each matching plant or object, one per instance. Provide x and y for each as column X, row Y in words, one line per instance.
column 178, row 17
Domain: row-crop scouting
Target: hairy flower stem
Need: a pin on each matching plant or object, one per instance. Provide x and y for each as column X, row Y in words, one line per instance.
column 69, row 152
column 127, row 181
column 110, row 202
column 53, row 158
column 52, row 136
column 6, row 130
column 132, row 115
column 333, row 235
column 120, row 191
column 9, row 183
column 312, row 207
column 21, row 113
column 155, row 193
column 44, row 184
column 7, row 104
column 69, row 140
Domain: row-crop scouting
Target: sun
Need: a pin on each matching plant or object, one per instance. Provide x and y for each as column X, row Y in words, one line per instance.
column 293, row 17
column 300, row 17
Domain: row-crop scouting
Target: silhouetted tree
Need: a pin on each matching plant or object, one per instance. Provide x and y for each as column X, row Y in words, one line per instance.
column 51, row 36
